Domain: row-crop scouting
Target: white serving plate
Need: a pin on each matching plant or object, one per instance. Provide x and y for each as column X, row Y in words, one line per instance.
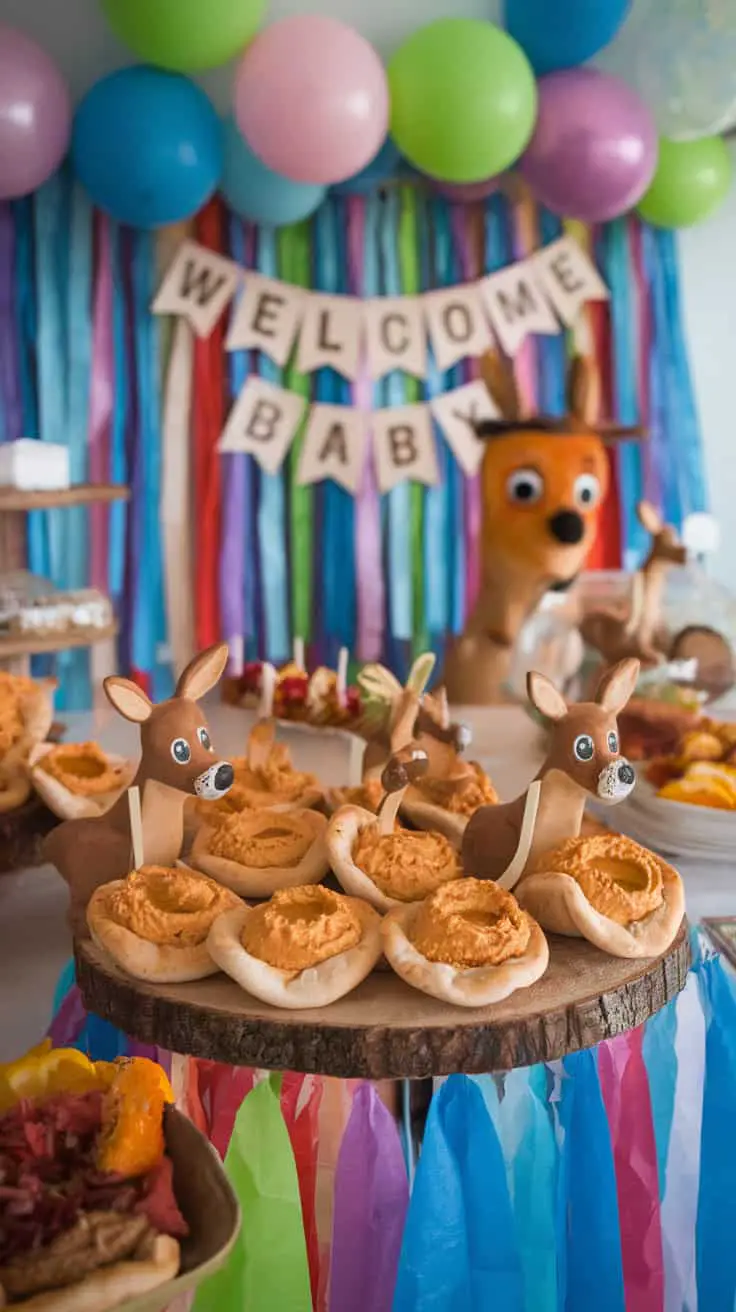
column 676, row 829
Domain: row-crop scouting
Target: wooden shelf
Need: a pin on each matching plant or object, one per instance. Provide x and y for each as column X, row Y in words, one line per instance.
column 22, row 645
column 13, row 498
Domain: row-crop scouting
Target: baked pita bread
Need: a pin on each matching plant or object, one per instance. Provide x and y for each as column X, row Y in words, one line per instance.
column 262, row 881
column 113, row 1286
column 73, row 806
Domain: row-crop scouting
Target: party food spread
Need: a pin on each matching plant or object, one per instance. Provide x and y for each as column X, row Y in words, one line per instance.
column 701, row 768
column 155, row 923
column 88, row 1214
column 306, row 947
column 468, row 943
column 299, row 697
column 608, row 889
column 257, row 852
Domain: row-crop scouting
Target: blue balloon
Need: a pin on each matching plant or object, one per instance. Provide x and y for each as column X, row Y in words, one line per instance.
column 147, row 145
column 563, row 33
column 257, row 193
column 385, row 165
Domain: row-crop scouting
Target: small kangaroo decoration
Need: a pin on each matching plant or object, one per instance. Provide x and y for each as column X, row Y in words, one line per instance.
column 176, row 760
column 406, row 764
column 429, row 715
column 503, row 842
column 636, row 633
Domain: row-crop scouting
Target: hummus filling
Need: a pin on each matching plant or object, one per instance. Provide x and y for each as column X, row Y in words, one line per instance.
column 272, row 784
column 369, row 795
column 15, row 689
column 470, row 923
column 81, row 768
column 620, row 879
column 262, row 839
column 461, row 794
column 167, row 906
column 406, row 865
column 299, row 927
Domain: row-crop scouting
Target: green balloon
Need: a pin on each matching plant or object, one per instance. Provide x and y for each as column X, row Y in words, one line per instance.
column 463, row 100
column 691, row 180
column 185, row 35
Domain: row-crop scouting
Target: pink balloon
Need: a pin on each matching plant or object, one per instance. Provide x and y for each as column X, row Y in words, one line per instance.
column 466, row 192
column 35, row 115
column 311, row 99
column 594, row 148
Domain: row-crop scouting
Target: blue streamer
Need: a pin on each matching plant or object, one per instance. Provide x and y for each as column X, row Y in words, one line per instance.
column 684, row 429
column 714, row 1239
column 661, row 380
column 338, row 539
column 272, row 507
column 51, row 245
column 75, row 665
column 149, row 611
column 118, row 427
column 594, row 1272
column 551, row 352
column 398, row 500
column 459, row 1250
column 442, row 534
column 616, row 269
column 660, row 1059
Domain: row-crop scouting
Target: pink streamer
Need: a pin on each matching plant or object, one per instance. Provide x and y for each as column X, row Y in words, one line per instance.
column 371, row 1200
column 222, row 1089
column 368, row 562
column 301, row 1096
column 625, row 1090
column 102, row 383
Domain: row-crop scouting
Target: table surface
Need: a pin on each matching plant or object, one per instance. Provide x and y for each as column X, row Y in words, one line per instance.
column 34, row 939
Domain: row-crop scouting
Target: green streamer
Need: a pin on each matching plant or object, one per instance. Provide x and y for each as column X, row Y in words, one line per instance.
column 294, row 252
column 268, row 1268
column 410, row 285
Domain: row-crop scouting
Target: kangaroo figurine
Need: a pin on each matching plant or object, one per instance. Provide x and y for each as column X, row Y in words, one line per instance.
column 636, row 633
column 503, row 842
column 176, row 760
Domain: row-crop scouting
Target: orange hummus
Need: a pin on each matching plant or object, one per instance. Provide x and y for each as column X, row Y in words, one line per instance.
column 169, row 906
column 620, row 879
column 369, row 795
column 274, row 783
column 14, row 688
column 81, row 768
column 461, row 794
column 262, row 839
column 470, row 923
column 406, row 865
column 299, row 927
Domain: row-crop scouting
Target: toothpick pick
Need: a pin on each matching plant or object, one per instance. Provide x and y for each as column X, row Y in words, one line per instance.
column 341, row 687
column 299, row 653
column 269, row 679
column 136, row 826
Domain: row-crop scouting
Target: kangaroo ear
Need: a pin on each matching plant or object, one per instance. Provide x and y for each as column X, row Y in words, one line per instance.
column 129, row 700
column 203, row 672
column 649, row 517
column 617, row 685
column 584, row 391
column 498, row 377
column 543, row 695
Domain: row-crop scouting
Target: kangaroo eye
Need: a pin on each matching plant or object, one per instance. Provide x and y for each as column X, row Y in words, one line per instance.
column 204, row 738
column 524, row 486
column 613, row 741
column 587, row 490
column 181, row 751
column 584, row 747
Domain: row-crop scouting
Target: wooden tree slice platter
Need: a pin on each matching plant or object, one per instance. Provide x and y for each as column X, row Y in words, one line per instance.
column 385, row 1029
column 22, row 832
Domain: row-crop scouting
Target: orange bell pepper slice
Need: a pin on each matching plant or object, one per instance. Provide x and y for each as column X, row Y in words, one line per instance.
column 132, row 1140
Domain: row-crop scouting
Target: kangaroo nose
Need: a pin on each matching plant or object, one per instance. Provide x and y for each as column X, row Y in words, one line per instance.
column 224, row 777
column 626, row 774
column 567, row 526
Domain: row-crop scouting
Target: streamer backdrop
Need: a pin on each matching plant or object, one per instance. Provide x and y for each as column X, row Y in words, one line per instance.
column 83, row 361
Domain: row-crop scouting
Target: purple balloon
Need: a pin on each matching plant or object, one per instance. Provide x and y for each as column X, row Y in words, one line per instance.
column 594, row 149
column 467, row 192
column 35, row 115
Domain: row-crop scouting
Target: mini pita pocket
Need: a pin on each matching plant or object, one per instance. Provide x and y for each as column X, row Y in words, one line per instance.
column 465, row 985
column 169, row 913
column 26, row 713
column 343, row 833
column 292, row 851
column 368, row 796
column 561, row 906
column 437, row 803
column 112, row 1286
column 313, row 986
column 78, row 802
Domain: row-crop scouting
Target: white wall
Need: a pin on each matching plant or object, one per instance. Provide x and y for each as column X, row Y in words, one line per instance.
column 76, row 34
